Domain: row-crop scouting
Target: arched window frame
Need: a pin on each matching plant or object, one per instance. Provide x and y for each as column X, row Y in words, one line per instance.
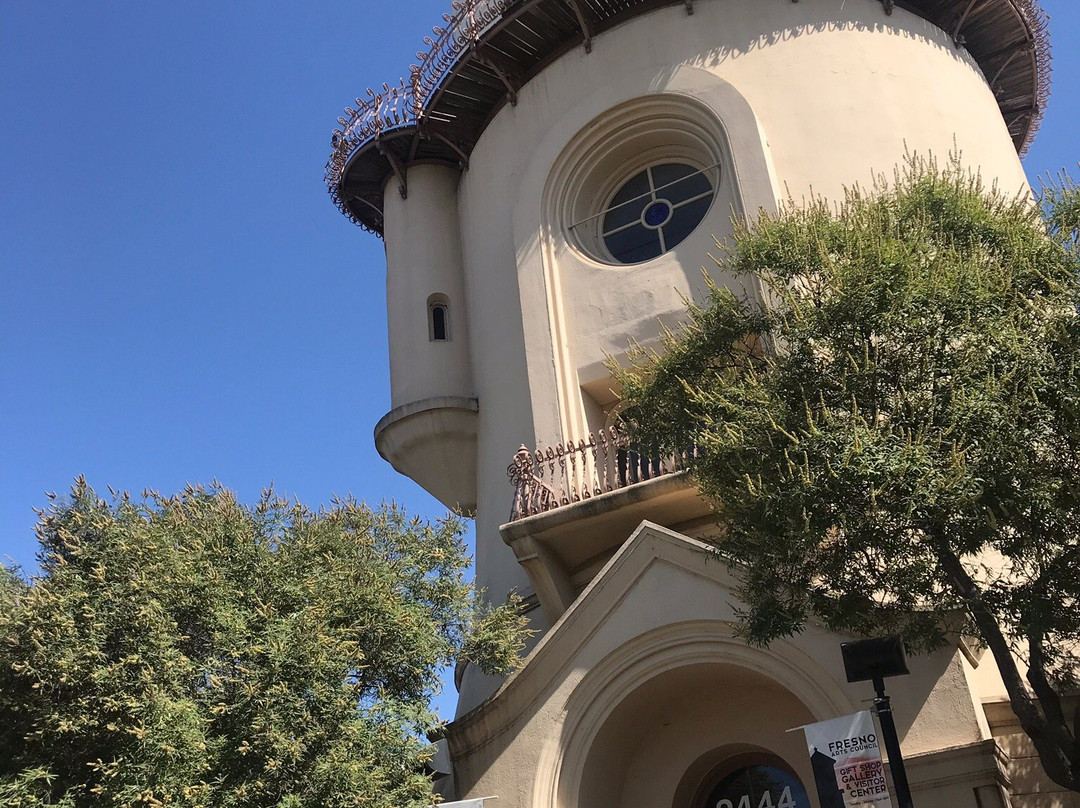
column 438, row 308
column 647, row 133
column 732, row 764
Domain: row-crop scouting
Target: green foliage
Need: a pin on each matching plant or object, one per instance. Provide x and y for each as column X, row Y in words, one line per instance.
column 1060, row 200
column 893, row 441
column 194, row 651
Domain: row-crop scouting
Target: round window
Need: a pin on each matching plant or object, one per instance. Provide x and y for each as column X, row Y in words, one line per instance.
column 638, row 180
column 759, row 786
column 654, row 211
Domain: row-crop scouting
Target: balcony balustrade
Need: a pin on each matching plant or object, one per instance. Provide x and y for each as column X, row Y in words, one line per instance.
column 560, row 475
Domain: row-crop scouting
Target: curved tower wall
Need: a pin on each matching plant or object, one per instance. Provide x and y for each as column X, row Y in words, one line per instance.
column 423, row 259
column 430, row 434
column 809, row 97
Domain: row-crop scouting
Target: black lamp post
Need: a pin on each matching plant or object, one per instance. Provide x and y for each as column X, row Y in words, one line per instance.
column 875, row 660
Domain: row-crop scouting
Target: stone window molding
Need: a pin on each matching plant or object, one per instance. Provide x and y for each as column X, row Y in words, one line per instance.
column 627, row 145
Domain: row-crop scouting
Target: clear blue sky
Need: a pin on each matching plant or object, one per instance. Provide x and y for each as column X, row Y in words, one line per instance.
column 179, row 300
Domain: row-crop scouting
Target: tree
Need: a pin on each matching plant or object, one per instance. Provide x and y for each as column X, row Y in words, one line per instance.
column 194, row 651
column 892, row 442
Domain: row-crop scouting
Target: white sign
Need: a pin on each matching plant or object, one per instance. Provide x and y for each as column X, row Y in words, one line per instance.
column 847, row 765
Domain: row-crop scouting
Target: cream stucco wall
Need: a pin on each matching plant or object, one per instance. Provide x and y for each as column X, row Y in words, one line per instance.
column 807, row 97
column 646, row 673
column 423, row 258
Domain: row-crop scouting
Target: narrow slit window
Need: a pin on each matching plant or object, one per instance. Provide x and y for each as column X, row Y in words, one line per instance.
column 438, row 322
column 438, row 319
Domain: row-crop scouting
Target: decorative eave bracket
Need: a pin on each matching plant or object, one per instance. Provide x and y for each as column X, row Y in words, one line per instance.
column 583, row 23
column 957, row 36
column 463, row 157
column 500, row 68
column 395, row 164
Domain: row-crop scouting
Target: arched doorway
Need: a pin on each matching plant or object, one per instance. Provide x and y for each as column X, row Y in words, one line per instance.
column 700, row 736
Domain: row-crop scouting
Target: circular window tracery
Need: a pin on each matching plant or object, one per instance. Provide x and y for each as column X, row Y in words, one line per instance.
column 654, row 211
column 640, row 179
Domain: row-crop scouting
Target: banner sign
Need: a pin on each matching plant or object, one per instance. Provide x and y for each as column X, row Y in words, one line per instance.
column 846, row 760
column 464, row 803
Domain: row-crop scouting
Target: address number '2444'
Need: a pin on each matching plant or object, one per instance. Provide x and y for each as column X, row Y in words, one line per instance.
column 785, row 800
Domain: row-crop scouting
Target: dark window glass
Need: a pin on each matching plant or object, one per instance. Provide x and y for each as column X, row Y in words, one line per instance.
column 758, row 787
column 626, row 206
column 666, row 173
column 678, row 182
column 654, row 211
column 684, row 220
column 635, row 245
column 438, row 322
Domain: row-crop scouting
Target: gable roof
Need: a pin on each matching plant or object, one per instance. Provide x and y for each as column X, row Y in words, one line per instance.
column 585, row 639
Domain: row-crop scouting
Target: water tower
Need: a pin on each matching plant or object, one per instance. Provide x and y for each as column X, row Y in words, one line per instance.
column 548, row 182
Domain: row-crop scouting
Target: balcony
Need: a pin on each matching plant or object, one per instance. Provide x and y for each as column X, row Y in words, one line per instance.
column 576, row 502
column 563, row 474
column 433, row 442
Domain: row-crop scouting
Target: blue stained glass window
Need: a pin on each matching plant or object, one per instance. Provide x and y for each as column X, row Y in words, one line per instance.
column 657, row 213
column 654, row 211
column 626, row 206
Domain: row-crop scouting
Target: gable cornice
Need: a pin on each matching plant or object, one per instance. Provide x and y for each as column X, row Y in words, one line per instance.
column 681, row 642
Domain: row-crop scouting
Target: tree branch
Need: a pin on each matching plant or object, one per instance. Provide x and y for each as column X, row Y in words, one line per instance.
column 1048, row 698
column 1058, row 760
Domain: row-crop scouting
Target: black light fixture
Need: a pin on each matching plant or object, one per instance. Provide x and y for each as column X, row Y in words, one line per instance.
column 875, row 660
column 881, row 656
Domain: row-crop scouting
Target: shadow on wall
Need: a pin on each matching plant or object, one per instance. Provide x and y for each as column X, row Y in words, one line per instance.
column 919, row 30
